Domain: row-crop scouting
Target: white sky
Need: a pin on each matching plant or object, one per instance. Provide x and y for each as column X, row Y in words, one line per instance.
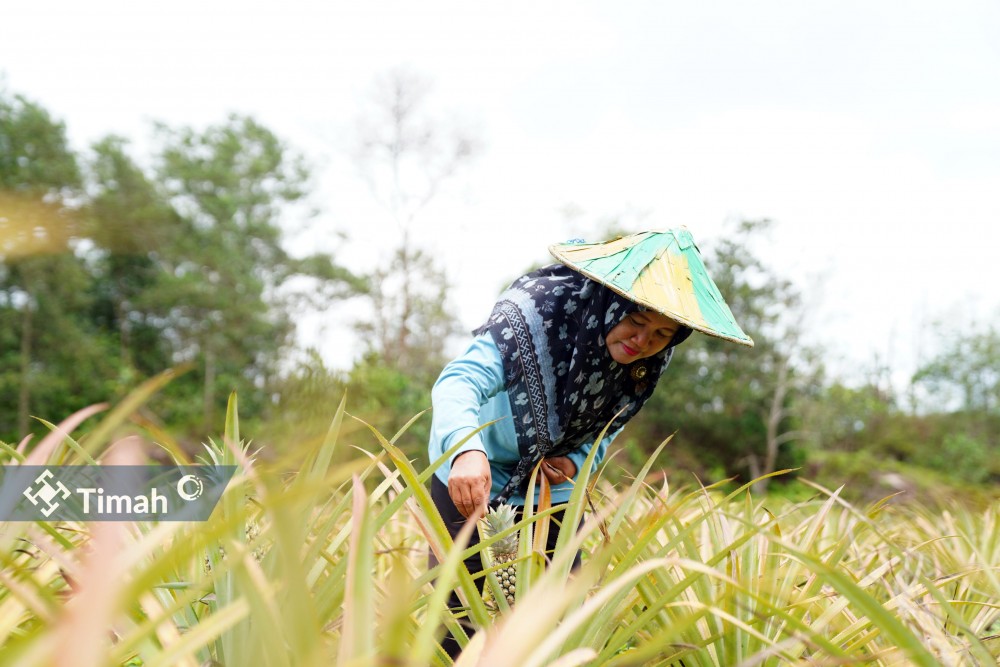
column 869, row 131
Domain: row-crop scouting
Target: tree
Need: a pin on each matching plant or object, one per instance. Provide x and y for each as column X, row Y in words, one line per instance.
column 411, row 320
column 116, row 274
column 131, row 225
column 53, row 361
column 406, row 158
column 966, row 373
column 35, row 156
column 226, row 298
column 964, row 380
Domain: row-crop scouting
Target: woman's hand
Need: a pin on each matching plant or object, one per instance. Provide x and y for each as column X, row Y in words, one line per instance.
column 558, row 469
column 469, row 483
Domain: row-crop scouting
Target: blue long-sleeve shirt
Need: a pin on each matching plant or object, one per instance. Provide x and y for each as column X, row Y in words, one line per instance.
column 470, row 392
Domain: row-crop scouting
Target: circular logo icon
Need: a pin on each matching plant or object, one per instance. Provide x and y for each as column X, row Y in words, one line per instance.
column 190, row 487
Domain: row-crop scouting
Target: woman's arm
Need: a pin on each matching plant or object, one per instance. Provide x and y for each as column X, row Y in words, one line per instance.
column 463, row 387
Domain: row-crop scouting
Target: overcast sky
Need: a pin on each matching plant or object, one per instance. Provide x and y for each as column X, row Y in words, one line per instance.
column 868, row 131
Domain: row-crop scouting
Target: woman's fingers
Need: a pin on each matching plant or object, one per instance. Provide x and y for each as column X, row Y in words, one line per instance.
column 469, row 482
column 554, row 475
column 558, row 469
column 463, row 496
column 465, row 502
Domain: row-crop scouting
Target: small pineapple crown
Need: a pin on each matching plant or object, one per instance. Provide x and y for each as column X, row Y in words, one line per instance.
column 498, row 519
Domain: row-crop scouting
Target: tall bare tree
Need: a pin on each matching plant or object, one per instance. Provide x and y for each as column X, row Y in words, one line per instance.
column 406, row 157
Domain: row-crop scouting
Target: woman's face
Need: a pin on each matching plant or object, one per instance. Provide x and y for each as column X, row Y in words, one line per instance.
column 640, row 335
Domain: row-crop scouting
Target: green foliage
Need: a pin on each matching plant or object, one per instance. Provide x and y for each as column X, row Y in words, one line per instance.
column 962, row 393
column 383, row 393
column 53, row 360
column 966, row 458
column 34, row 153
column 148, row 270
column 133, row 226
column 219, row 294
column 378, row 390
column 412, row 320
column 965, row 373
column 328, row 566
column 65, row 363
column 842, row 417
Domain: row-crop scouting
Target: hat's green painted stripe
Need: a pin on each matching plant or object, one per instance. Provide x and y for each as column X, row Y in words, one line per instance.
column 713, row 307
column 622, row 269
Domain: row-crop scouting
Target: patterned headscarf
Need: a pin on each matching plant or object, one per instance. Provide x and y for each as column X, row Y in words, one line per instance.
column 563, row 385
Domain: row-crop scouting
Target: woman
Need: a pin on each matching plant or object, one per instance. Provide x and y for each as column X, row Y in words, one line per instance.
column 567, row 348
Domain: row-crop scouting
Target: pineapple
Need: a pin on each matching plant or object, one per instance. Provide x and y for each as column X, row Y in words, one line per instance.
column 503, row 550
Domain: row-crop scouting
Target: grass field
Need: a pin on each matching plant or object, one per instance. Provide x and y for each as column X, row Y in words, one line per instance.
column 328, row 565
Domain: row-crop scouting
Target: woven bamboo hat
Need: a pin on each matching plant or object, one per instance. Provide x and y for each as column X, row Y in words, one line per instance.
column 661, row 270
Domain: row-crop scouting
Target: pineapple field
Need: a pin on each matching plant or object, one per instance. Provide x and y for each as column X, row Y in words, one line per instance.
column 328, row 564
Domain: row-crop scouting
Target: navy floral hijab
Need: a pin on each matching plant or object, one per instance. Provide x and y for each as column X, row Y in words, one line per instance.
column 564, row 387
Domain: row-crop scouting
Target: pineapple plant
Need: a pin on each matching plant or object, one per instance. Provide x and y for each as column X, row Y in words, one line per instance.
column 503, row 552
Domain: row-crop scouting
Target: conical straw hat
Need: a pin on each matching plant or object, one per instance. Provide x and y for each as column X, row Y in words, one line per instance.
column 662, row 271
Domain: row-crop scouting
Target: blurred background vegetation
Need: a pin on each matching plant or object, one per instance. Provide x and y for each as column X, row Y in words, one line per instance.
column 114, row 267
